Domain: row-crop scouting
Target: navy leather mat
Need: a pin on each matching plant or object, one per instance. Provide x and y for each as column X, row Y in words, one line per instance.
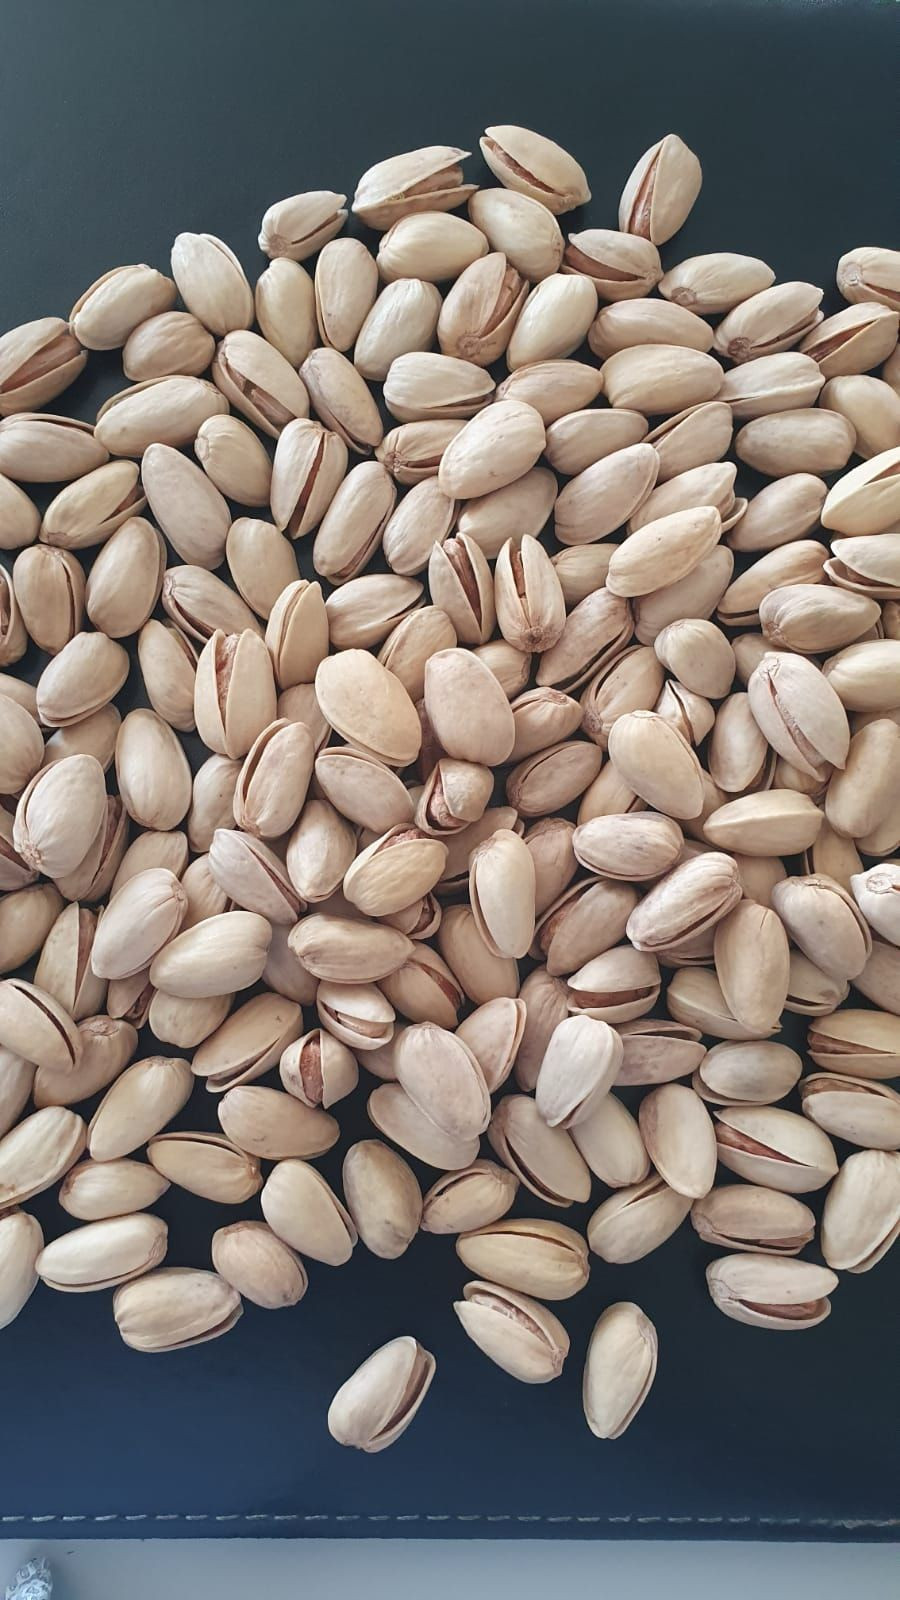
column 120, row 125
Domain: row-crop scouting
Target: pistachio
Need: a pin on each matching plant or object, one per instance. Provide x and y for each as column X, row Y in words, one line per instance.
column 165, row 411
column 171, row 342
column 85, row 675
column 603, row 497
column 594, row 633
column 777, row 1148
column 657, row 763
column 745, row 1217
column 853, row 340
column 579, row 439
column 302, row 1211
column 661, row 190
column 544, row 1159
column 871, row 406
column 16, row 1085
column 692, row 437
column 813, row 992
column 258, row 1266
column 501, row 890
column 95, row 1190
column 186, row 504
column 21, row 1242
column 469, row 1199
column 378, row 1402
column 869, row 273
column 879, row 977
column 152, row 770
column 859, row 1111
column 865, row 1044
column 616, row 986
column 583, row 922
column 580, row 1063
column 396, row 1116
column 20, row 519
column 495, row 448
column 711, row 284
column 660, row 378
column 248, row 1042
column 632, row 681
column 318, row 1069
column 799, row 712
column 37, row 362
column 610, row 1141
column 211, row 282
column 877, row 893
column 319, row 852
column 636, row 1220
column 174, row 1308
column 454, row 681
column 38, row 448
column 554, row 320
column 554, row 386
column 755, row 1073
column 415, row 450
column 619, row 1369
column 383, row 1198
column 769, row 1293
column 516, row 1332
column 621, row 266
column 60, row 814
column 299, row 226
column 531, row 1255
column 861, row 1219
column 37, row 1152
column 524, row 228
column 107, row 1046
column 695, row 998
column 868, row 565
column 544, row 999
column 771, row 383
column 632, row 846
column 669, row 548
column 825, row 923
column 801, row 441
column 403, row 318
column 418, row 180
column 101, row 1254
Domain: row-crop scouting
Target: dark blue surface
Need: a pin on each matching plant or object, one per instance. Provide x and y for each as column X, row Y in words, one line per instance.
column 119, row 126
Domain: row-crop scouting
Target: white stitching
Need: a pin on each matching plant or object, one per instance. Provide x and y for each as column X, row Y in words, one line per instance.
column 848, row 1523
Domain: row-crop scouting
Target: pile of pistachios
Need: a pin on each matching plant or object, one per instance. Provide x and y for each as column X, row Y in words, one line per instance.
column 577, row 770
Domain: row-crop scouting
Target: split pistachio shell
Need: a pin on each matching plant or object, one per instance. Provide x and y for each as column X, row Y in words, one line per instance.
column 301, row 1209
column 501, row 889
column 38, row 360
column 861, row 1219
column 310, row 462
column 536, row 166
column 636, row 1220
column 383, row 1198
column 379, row 1401
column 443, row 1079
column 37, row 1152
column 174, row 1308
column 853, row 340
column 95, row 1190
column 207, row 1165
column 621, row 266
column 88, row 672
column 248, row 1042
column 877, row 893
column 661, row 190
column 758, row 1072
column 528, row 1254
column 298, row 226
column 516, row 1332
column 545, row 1159
column 258, row 1266
column 341, row 401
column 770, row 383
column 49, row 589
column 766, row 1292
column 418, row 180
column 620, row 984
column 746, row 1217
column 21, row 1242
column 619, row 1369
column 481, row 310
column 861, row 1112
column 318, row 1069
column 799, row 712
column 472, row 1198
column 777, row 1148
column 396, row 1116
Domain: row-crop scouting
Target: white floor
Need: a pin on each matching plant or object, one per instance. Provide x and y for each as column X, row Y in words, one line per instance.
column 382, row 1570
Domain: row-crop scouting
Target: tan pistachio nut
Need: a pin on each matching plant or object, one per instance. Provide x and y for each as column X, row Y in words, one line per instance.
column 553, row 322
column 317, row 1069
column 523, row 228
column 304, row 1212
column 158, row 411
column 766, row 1292
column 807, row 440
column 248, row 1042
column 261, row 562
column 746, row 1217
column 861, row 1219
column 171, row 342
column 188, row 507
column 341, row 400
column 258, row 1266
column 38, row 360
column 379, row 1400
column 777, row 1148
column 865, row 500
column 21, row 1242
column 870, row 272
column 211, row 282
column 94, row 1190
column 403, row 318
column 860, row 1112
column 782, row 511
column 660, row 191
column 771, row 383
column 174, row 1308
column 616, row 986
column 544, row 1159
column 346, row 284
column 636, row 1220
column 383, row 1198
column 619, row 1369
column 38, row 448
column 234, row 460
column 715, row 283
column 871, row 406
column 516, row 1332
column 756, row 1072
column 286, row 309
column 428, row 179
column 20, row 519
column 37, row 1152
column 472, row 1198
column 529, row 1254
column 102, row 1254
column 582, row 1060
column 152, row 771
column 621, row 266
column 498, row 445
column 60, row 814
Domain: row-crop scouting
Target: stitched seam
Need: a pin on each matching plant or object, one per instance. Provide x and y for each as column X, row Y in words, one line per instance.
column 610, row 1520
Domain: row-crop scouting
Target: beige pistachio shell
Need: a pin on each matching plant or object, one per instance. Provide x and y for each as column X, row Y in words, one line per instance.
column 380, row 1399
column 516, row 1332
column 619, row 1369
column 258, row 1266
column 173, row 1308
